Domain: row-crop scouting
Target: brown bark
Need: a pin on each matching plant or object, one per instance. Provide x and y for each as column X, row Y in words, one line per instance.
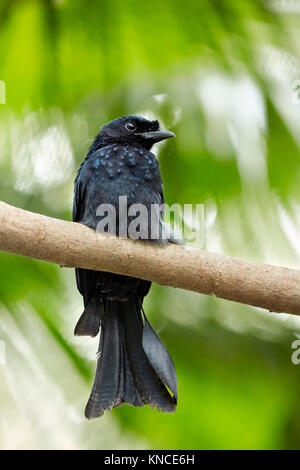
column 71, row 244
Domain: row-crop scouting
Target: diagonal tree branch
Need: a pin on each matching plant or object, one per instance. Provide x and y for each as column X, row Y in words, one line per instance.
column 71, row 244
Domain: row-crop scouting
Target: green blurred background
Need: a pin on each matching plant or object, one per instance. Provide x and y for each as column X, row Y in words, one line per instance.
column 224, row 75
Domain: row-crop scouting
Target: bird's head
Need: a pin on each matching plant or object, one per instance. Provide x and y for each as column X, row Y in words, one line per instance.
column 134, row 130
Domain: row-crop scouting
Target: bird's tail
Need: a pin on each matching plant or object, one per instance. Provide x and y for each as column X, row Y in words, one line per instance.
column 133, row 366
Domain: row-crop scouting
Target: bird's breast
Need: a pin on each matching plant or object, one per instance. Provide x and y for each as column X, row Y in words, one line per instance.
column 117, row 163
column 115, row 171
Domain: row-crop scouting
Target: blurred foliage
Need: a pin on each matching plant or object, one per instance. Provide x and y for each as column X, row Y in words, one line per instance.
column 224, row 75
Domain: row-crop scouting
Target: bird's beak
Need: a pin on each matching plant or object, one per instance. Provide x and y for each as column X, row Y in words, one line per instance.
column 157, row 136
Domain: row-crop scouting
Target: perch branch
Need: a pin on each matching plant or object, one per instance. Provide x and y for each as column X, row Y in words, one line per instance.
column 71, row 244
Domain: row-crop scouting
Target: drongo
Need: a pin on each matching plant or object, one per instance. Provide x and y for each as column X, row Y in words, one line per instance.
column 133, row 364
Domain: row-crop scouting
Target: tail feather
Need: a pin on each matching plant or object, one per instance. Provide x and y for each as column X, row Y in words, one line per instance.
column 130, row 392
column 89, row 322
column 159, row 357
column 151, row 388
column 127, row 370
column 107, row 389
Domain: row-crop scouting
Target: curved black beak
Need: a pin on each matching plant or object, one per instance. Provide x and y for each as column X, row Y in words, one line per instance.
column 157, row 136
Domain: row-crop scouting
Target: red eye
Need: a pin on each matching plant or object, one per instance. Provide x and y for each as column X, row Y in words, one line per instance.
column 130, row 126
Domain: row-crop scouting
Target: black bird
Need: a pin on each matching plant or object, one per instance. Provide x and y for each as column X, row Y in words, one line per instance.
column 133, row 365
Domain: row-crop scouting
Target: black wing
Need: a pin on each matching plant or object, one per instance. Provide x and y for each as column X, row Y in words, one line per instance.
column 78, row 199
column 86, row 279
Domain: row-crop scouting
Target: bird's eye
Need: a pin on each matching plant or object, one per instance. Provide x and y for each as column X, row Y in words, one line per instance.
column 130, row 126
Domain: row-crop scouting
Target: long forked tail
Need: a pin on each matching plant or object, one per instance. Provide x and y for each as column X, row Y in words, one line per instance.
column 133, row 366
